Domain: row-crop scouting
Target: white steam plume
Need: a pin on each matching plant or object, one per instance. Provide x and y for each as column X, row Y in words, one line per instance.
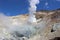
column 32, row 10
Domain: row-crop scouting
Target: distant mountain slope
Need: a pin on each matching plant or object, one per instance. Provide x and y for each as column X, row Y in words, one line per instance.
column 40, row 14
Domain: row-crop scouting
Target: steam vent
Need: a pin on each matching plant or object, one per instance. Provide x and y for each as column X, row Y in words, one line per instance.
column 30, row 20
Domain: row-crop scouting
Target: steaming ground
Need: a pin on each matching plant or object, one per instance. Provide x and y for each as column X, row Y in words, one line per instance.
column 16, row 28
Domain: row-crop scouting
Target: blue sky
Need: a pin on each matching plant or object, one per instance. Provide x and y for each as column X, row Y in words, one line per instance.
column 15, row 7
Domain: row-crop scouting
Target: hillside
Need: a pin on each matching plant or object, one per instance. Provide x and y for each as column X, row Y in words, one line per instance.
column 46, row 21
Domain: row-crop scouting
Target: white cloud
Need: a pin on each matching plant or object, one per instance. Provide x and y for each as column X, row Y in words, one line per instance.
column 57, row 0
column 46, row 3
